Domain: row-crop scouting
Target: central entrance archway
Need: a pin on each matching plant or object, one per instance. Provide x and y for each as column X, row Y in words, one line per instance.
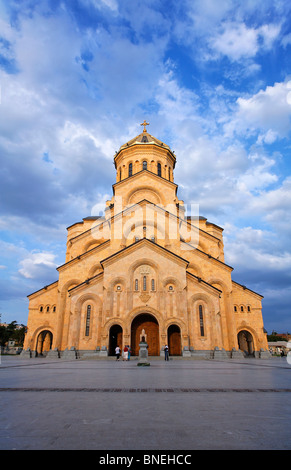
column 149, row 324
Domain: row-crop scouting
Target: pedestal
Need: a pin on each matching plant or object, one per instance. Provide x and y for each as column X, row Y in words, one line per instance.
column 104, row 351
column 220, row 353
column 143, row 354
column 69, row 353
column 53, row 353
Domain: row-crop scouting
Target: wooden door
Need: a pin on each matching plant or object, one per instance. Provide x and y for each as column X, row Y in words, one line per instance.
column 174, row 340
column 150, row 325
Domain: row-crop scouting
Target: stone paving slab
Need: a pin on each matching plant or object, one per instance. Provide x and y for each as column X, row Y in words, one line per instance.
column 109, row 405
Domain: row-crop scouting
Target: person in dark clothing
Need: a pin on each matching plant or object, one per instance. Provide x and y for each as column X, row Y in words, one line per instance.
column 166, row 349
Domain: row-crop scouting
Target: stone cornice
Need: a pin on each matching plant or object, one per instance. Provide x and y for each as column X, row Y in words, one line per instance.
column 246, row 288
column 206, row 284
column 144, row 172
column 45, row 288
column 83, row 255
column 146, row 148
column 139, row 244
column 87, row 282
column 210, row 257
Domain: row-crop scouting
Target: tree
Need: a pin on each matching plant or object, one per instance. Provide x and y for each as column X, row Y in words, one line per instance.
column 11, row 332
column 274, row 337
column 19, row 335
column 4, row 335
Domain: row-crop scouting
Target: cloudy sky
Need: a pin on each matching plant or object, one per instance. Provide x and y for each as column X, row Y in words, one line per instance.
column 213, row 79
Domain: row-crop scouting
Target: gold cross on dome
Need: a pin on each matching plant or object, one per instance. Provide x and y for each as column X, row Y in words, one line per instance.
column 144, row 124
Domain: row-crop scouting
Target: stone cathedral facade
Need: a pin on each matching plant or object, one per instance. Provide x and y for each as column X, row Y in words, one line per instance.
column 145, row 269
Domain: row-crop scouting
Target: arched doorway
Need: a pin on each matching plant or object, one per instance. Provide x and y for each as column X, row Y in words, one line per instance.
column 174, row 340
column 246, row 342
column 44, row 343
column 115, row 339
column 149, row 324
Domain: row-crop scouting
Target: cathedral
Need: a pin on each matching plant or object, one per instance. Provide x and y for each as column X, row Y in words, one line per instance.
column 145, row 270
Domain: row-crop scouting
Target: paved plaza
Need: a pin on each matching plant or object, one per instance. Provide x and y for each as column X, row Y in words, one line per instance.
column 176, row 405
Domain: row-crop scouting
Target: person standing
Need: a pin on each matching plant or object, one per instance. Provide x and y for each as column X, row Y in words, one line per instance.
column 117, row 352
column 129, row 352
column 125, row 353
column 166, row 349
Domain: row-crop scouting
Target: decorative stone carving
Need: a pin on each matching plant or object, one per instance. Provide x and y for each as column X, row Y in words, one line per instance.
column 144, row 297
column 145, row 269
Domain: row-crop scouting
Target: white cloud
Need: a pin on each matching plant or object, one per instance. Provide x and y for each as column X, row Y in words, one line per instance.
column 269, row 33
column 112, row 4
column 286, row 40
column 236, row 41
column 266, row 113
column 250, row 249
column 37, row 265
column 258, row 176
column 274, row 207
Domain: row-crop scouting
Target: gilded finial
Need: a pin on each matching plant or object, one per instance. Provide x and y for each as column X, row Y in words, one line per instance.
column 144, row 124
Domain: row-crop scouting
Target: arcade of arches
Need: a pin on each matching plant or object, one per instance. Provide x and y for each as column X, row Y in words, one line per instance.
column 145, row 327
column 145, row 270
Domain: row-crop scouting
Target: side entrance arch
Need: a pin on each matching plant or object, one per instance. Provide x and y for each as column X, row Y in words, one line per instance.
column 174, row 340
column 115, row 339
column 246, row 342
column 145, row 326
column 44, row 342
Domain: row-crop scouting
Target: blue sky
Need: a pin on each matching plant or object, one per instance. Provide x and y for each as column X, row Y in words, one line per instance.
column 212, row 78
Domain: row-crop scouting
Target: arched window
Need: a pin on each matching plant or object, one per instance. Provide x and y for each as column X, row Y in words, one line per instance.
column 201, row 320
column 130, row 169
column 136, row 284
column 159, row 169
column 169, row 171
column 153, row 284
column 48, row 308
column 144, row 283
column 144, row 165
column 88, row 320
column 241, row 308
column 41, row 308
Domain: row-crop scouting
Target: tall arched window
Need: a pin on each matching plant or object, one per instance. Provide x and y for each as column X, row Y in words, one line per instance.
column 144, row 165
column 130, row 169
column 88, row 320
column 153, row 284
column 159, row 169
column 144, row 283
column 201, row 320
column 136, row 284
